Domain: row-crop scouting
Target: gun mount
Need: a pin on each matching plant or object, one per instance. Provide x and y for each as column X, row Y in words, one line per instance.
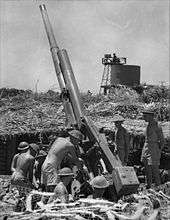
column 75, row 113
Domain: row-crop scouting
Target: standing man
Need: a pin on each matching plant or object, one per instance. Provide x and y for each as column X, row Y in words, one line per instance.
column 121, row 140
column 34, row 149
column 40, row 158
column 151, row 153
column 22, row 166
column 60, row 149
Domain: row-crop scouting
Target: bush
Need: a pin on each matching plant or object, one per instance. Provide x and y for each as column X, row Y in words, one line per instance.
column 121, row 100
column 6, row 92
column 155, row 94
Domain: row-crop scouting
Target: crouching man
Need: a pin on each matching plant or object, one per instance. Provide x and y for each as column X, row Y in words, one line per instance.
column 99, row 185
column 65, row 176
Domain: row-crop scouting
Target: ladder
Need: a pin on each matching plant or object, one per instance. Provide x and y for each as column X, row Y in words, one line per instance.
column 106, row 77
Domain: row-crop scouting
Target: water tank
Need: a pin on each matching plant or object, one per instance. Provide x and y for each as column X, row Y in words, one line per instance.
column 128, row 75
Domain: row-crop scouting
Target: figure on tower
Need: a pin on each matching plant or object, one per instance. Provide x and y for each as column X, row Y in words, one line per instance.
column 116, row 72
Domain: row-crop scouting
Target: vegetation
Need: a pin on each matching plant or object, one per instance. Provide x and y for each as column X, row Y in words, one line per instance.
column 25, row 111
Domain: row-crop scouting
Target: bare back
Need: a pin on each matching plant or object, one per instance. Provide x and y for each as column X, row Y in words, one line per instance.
column 24, row 162
column 59, row 149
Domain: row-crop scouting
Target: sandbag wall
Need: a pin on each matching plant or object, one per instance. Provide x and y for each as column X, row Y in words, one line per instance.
column 9, row 144
column 7, row 150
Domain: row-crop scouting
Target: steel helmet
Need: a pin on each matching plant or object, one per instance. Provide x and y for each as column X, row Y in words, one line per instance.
column 42, row 153
column 76, row 134
column 99, row 182
column 149, row 112
column 23, row 146
column 35, row 147
column 66, row 171
column 117, row 118
column 52, row 137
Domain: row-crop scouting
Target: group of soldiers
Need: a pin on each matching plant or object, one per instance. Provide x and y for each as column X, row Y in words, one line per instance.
column 71, row 167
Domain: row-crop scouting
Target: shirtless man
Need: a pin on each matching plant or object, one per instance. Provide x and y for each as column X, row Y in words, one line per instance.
column 22, row 166
column 59, row 150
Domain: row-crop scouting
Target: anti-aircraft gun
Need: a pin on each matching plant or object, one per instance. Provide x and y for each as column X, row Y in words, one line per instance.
column 124, row 178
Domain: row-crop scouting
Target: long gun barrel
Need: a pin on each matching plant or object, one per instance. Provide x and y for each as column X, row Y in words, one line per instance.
column 74, row 108
column 53, row 44
column 54, row 50
column 63, row 66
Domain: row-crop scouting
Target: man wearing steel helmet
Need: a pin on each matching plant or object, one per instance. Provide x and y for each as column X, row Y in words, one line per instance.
column 40, row 158
column 121, row 139
column 65, row 176
column 61, row 148
column 34, row 150
column 99, row 185
column 22, row 166
column 151, row 152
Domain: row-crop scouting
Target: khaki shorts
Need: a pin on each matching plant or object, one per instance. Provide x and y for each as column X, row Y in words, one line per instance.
column 18, row 179
column 49, row 175
column 23, row 186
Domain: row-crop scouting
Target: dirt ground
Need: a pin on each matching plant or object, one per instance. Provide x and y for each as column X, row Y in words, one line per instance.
column 8, row 201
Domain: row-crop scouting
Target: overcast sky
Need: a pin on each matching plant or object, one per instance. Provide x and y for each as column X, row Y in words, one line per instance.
column 138, row 30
